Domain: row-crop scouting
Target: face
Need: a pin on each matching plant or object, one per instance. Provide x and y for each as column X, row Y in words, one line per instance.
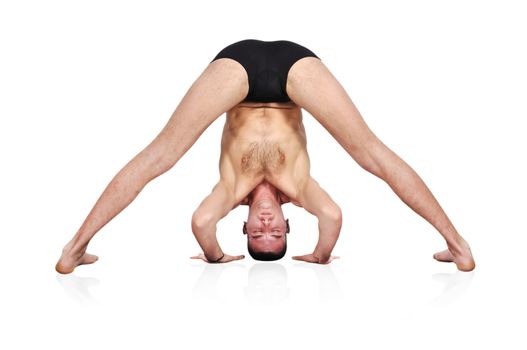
column 266, row 227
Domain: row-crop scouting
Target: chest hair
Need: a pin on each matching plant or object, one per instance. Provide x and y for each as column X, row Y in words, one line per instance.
column 262, row 156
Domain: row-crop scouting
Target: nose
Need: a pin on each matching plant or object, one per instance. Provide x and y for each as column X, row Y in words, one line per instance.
column 266, row 218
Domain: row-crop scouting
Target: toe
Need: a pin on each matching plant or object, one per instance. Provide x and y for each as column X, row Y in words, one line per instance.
column 89, row 259
column 445, row 256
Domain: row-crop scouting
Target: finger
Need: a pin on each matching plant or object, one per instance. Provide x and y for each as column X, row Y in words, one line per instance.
column 301, row 256
column 233, row 258
column 305, row 258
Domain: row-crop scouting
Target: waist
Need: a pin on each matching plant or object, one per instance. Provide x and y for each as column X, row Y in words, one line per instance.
column 280, row 105
column 258, row 117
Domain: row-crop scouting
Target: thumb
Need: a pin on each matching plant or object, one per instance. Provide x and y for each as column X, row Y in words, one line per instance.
column 307, row 258
column 301, row 257
column 237, row 257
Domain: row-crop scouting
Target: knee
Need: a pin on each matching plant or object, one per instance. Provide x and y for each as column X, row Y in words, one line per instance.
column 164, row 165
column 160, row 155
column 369, row 156
column 364, row 160
column 150, row 164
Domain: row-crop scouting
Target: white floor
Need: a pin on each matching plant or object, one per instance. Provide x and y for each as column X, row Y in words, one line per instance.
column 83, row 88
column 384, row 291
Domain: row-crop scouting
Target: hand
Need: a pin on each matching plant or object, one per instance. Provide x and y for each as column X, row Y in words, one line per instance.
column 311, row 258
column 226, row 258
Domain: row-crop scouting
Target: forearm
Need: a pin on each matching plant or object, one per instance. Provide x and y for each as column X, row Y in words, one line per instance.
column 329, row 231
column 318, row 202
column 206, row 236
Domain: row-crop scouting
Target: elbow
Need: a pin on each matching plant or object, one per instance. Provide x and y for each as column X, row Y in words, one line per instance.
column 333, row 213
column 202, row 222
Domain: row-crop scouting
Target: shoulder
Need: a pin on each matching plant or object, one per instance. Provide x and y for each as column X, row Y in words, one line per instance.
column 286, row 199
column 241, row 188
column 306, row 189
column 244, row 201
column 290, row 190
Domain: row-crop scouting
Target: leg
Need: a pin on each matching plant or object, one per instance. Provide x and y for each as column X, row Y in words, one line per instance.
column 312, row 86
column 221, row 86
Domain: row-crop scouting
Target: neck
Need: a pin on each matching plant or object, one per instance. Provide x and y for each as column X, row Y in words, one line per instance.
column 264, row 191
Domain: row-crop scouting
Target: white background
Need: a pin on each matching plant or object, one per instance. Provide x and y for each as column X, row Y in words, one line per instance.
column 84, row 86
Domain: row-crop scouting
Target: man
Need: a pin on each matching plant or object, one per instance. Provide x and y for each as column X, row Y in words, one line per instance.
column 264, row 163
column 264, row 72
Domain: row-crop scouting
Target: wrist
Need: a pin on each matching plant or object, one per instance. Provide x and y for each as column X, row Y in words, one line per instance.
column 322, row 257
column 216, row 259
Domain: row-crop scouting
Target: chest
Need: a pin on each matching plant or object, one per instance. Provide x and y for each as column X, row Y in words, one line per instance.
column 262, row 156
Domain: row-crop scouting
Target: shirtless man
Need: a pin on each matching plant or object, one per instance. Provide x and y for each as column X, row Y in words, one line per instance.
column 264, row 164
column 278, row 71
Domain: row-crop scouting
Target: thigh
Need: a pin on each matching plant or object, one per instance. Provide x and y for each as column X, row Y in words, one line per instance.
column 221, row 86
column 313, row 87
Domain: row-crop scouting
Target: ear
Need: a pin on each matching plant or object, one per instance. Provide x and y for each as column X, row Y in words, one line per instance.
column 244, row 228
column 287, row 226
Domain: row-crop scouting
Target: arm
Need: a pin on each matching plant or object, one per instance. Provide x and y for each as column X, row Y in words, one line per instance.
column 211, row 210
column 318, row 202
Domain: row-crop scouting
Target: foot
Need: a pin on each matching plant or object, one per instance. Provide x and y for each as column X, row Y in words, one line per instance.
column 71, row 258
column 462, row 256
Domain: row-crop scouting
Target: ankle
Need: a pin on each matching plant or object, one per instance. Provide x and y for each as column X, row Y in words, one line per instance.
column 458, row 246
column 74, row 248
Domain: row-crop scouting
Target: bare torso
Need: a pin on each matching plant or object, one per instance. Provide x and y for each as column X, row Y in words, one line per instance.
column 264, row 142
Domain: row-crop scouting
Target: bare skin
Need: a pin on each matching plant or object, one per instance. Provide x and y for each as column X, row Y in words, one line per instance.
column 222, row 86
column 313, row 87
column 266, row 225
column 264, row 164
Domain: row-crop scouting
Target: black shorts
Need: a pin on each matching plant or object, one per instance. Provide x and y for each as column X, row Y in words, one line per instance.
column 267, row 64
